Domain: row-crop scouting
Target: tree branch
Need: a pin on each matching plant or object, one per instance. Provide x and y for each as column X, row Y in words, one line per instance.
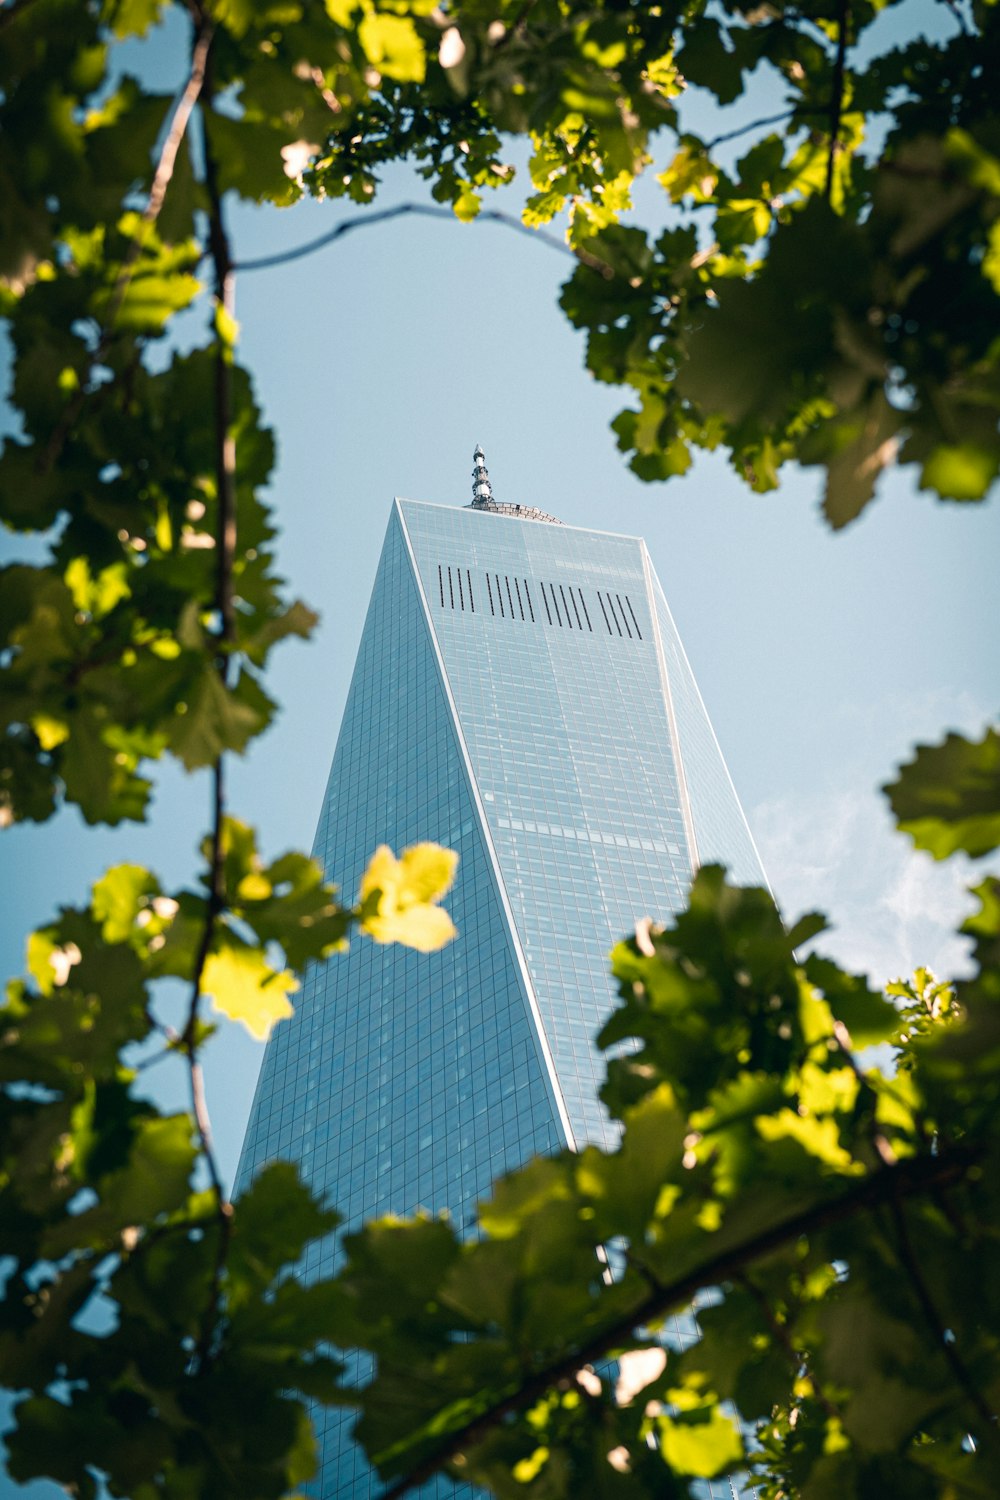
column 732, row 135
column 225, row 543
column 162, row 175
column 910, row 1176
column 837, row 97
column 427, row 211
column 796, row 1358
column 960, row 19
column 179, row 123
column 935, row 1324
column 12, row 11
column 225, row 442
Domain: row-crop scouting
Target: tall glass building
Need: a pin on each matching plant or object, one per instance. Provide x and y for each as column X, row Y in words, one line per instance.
column 520, row 695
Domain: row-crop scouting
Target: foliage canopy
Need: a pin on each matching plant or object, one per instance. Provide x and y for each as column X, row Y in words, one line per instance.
column 827, row 293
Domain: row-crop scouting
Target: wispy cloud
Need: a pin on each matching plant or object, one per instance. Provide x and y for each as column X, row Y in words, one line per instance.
column 890, row 907
column 835, row 849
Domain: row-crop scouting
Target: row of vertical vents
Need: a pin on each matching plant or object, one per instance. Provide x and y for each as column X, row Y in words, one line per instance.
column 564, row 604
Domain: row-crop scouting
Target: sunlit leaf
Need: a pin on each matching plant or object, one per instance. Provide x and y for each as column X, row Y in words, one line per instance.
column 245, row 987
column 393, row 45
column 399, row 896
column 703, row 1447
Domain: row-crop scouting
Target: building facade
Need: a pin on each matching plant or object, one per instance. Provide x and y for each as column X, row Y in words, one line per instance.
column 520, row 695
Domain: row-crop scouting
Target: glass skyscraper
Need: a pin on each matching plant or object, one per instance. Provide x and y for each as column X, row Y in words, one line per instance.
column 520, row 695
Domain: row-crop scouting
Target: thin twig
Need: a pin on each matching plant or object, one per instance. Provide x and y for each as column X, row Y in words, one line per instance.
column 837, row 99
column 732, row 135
column 189, row 1039
column 164, row 171
column 424, row 210
column 796, row 1358
column 13, row 11
column 962, row 26
column 162, row 176
column 880, row 1142
column 225, row 482
column 225, row 442
column 912, row 1175
column 935, row 1324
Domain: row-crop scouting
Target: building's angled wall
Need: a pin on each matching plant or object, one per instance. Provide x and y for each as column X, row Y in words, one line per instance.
column 720, row 828
column 551, row 659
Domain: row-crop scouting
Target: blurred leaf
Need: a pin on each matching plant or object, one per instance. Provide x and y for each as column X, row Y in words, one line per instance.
column 245, row 987
column 393, row 45
column 399, row 896
column 118, row 899
column 216, row 718
column 276, row 1217
column 700, row 1443
column 948, row 797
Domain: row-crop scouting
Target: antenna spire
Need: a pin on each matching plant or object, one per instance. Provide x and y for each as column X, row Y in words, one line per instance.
column 482, row 490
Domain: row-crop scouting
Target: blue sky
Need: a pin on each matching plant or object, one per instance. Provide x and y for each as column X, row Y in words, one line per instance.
column 381, row 362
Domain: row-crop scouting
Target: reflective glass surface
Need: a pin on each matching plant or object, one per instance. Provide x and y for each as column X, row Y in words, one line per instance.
column 552, row 654
column 721, row 832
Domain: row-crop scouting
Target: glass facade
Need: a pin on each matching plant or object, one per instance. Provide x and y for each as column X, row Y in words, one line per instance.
column 520, row 695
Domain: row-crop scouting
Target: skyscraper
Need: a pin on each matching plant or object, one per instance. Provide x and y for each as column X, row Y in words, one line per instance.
column 520, row 695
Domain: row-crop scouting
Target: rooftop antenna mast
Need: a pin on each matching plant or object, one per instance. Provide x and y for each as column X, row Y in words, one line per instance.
column 482, row 490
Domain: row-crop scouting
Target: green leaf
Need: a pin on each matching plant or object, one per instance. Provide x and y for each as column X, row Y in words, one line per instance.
column 216, row 718
column 960, row 471
column 948, row 797
column 154, row 1181
column 250, row 161
column 868, row 1016
column 275, row 1218
column 861, row 445
column 297, row 619
column 135, row 17
column 118, row 899
column 99, row 776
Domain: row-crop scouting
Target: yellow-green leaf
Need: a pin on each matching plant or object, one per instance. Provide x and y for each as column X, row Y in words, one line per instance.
column 399, row 896
column 51, row 732
column 96, row 594
column 391, row 43
column 245, row 988
column 118, row 899
column 701, row 1448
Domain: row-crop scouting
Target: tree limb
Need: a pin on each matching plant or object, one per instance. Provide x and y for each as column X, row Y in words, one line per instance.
column 908, row 1177
column 837, row 96
column 162, row 175
column 225, row 546
column 936, row 1326
column 427, row 211
column 959, row 18
column 12, row 11
column 225, row 443
column 732, row 135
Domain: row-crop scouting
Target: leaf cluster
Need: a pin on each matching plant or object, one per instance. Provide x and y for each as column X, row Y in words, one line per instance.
column 136, row 1347
column 155, row 1332
column 809, row 1204
column 813, row 1205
